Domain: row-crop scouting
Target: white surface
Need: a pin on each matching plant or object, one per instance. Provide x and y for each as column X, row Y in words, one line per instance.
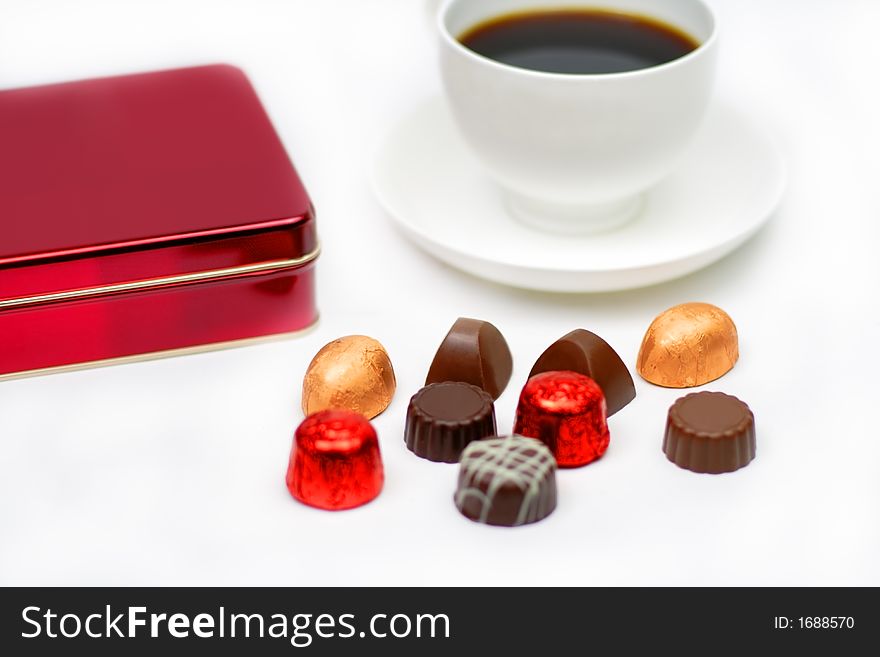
column 722, row 192
column 172, row 472
column 573, row 152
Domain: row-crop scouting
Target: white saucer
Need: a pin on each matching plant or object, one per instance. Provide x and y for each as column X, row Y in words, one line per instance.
column 724, row 190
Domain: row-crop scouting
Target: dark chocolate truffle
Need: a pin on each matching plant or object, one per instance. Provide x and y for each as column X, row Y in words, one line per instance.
column 506, row 481
column 710, row 432
column 443, row 418
column 474, row 352
column 586, row 353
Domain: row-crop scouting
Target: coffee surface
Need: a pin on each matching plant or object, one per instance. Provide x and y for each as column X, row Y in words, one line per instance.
column 578, row 41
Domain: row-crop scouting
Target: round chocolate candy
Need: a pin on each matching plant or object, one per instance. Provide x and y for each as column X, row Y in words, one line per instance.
column 475, row 352
column 688, row 345
column 335, row 462
column 710, row 432
column 352, row 373
column 443, row 418
column 565, row 411
column 506, row 481
column 587, row 353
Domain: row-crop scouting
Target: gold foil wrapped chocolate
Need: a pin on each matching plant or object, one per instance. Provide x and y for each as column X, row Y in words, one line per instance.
column 688, row 345
column 352, row 373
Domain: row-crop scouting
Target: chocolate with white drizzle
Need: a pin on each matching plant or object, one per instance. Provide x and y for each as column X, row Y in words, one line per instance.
column 506, row 481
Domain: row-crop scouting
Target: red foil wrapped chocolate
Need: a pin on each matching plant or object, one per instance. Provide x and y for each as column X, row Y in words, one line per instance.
column 567, row 412
column 335, row 462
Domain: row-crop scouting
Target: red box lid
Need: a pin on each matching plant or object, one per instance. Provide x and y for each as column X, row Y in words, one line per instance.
column 152, row 174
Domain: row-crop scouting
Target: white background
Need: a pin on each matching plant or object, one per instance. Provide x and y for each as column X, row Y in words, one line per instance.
column 172, row 472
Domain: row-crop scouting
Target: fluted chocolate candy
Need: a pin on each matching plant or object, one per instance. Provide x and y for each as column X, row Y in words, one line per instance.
column 475, row 352
column 710, row 432
column 506, row 481
column 688, row 345
column 586, row 353
column 352, row 373
column 443, row 418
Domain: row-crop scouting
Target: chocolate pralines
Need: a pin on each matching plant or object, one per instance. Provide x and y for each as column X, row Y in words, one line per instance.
column 352, row 373
column 443, row 418
column 586, row 353
column 507, row 481
column 688, row 345
column 474, row 352
column 566, row 411
column 335, row 462
column 710, row 432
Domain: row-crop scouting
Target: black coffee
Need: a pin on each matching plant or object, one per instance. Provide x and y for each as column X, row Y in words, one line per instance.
column 578, row 41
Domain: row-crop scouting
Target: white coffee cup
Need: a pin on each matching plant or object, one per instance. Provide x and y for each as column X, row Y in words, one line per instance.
column 576, row 152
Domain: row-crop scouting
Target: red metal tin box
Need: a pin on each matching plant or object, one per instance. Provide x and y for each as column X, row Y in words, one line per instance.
column 146, row 214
